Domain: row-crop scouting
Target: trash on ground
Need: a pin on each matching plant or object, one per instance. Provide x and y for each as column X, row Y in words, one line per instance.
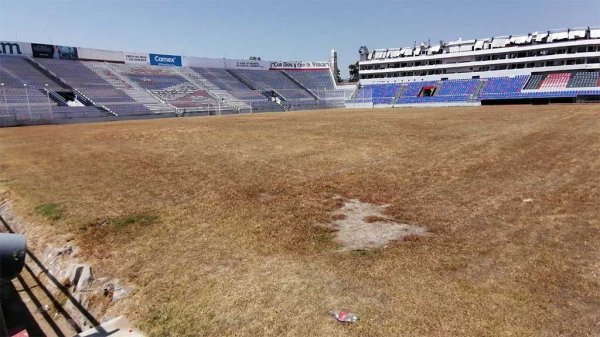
column 344, row 316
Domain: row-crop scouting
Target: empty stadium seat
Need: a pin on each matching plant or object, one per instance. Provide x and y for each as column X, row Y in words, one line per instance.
column 94, row 87
column 584, row 79
column 504, row 87
column 535, row 81
column 316, row 80
column 413, row 89
column 268, row 80
column 382, row 93
column 16, row 71
column 457, row 87
column 556, row 81
column 224, row 80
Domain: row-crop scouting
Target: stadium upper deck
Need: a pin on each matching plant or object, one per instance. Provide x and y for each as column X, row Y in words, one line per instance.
column 559, row 50
column 554, row 66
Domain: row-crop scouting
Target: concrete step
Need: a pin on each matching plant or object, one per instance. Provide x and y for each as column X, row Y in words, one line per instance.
column 118, row 327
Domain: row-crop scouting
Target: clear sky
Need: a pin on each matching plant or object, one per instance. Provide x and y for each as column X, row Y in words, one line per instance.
column 280, row 30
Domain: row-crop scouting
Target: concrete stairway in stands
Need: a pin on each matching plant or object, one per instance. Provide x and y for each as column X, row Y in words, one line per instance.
column 299, row 84
column 139, row 94
column 478, row 90
column 218, row 94
column 399, row 94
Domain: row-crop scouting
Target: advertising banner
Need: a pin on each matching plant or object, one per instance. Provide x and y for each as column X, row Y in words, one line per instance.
column 100, row 55
column 165, row 60
column 248, row 64
column 15, row 48
column 298, row 65
column 67, row 53
column 42, row 50
column 136, row 58
column 203, row 62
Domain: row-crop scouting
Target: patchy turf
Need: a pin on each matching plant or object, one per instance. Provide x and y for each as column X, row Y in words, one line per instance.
column 365, row 226
column 221, row 217
column 50, row 211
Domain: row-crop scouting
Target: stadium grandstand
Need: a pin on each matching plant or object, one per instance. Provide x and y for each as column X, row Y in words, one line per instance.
column 541, row 67
column 42, row 83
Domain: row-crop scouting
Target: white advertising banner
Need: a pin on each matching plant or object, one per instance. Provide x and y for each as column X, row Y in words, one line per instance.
column 100, row 55
column 136, row 58
column 203, row 62
column 298, row 65
column 248, row 64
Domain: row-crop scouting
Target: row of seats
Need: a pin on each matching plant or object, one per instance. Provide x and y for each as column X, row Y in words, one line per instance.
column 224, row 80
column 381, row 93
column 315, row 80
column 457, row 87
column 146, row 83
column 94, row 87
column 502, row 85
column 433, row 99
column 446, row 91
column 535, row 81
column 17, row 71
column 273, row 80
column 467, row 90
column 585, row 80
column 545, row 94
column 556, row 81
column 155, row 81
column 578, row 79
column 413, row 89
column 55, row 112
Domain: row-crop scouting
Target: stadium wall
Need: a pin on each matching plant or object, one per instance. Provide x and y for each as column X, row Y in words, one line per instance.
column 40, row 50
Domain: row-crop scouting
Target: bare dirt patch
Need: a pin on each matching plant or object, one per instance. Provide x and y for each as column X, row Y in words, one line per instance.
column 361, row 225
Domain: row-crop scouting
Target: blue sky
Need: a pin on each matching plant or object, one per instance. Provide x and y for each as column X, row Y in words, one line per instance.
column 280, row 30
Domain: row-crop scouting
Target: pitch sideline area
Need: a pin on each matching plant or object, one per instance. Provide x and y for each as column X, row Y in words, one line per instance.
column 222, row 224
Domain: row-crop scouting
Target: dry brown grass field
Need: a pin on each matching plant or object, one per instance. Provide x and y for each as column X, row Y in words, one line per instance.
column 219, row 222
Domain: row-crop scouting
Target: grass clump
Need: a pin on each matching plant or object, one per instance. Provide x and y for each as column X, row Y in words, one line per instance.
column 50, row 211
column 128, row 223
column 135, row 219
column 95, row 235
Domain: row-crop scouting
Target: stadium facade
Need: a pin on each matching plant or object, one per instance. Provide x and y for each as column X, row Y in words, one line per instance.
column 552, row 66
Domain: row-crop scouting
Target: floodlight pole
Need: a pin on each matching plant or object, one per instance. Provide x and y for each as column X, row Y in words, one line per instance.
column 27, row 97
column 5, row 101
column 49, row 105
